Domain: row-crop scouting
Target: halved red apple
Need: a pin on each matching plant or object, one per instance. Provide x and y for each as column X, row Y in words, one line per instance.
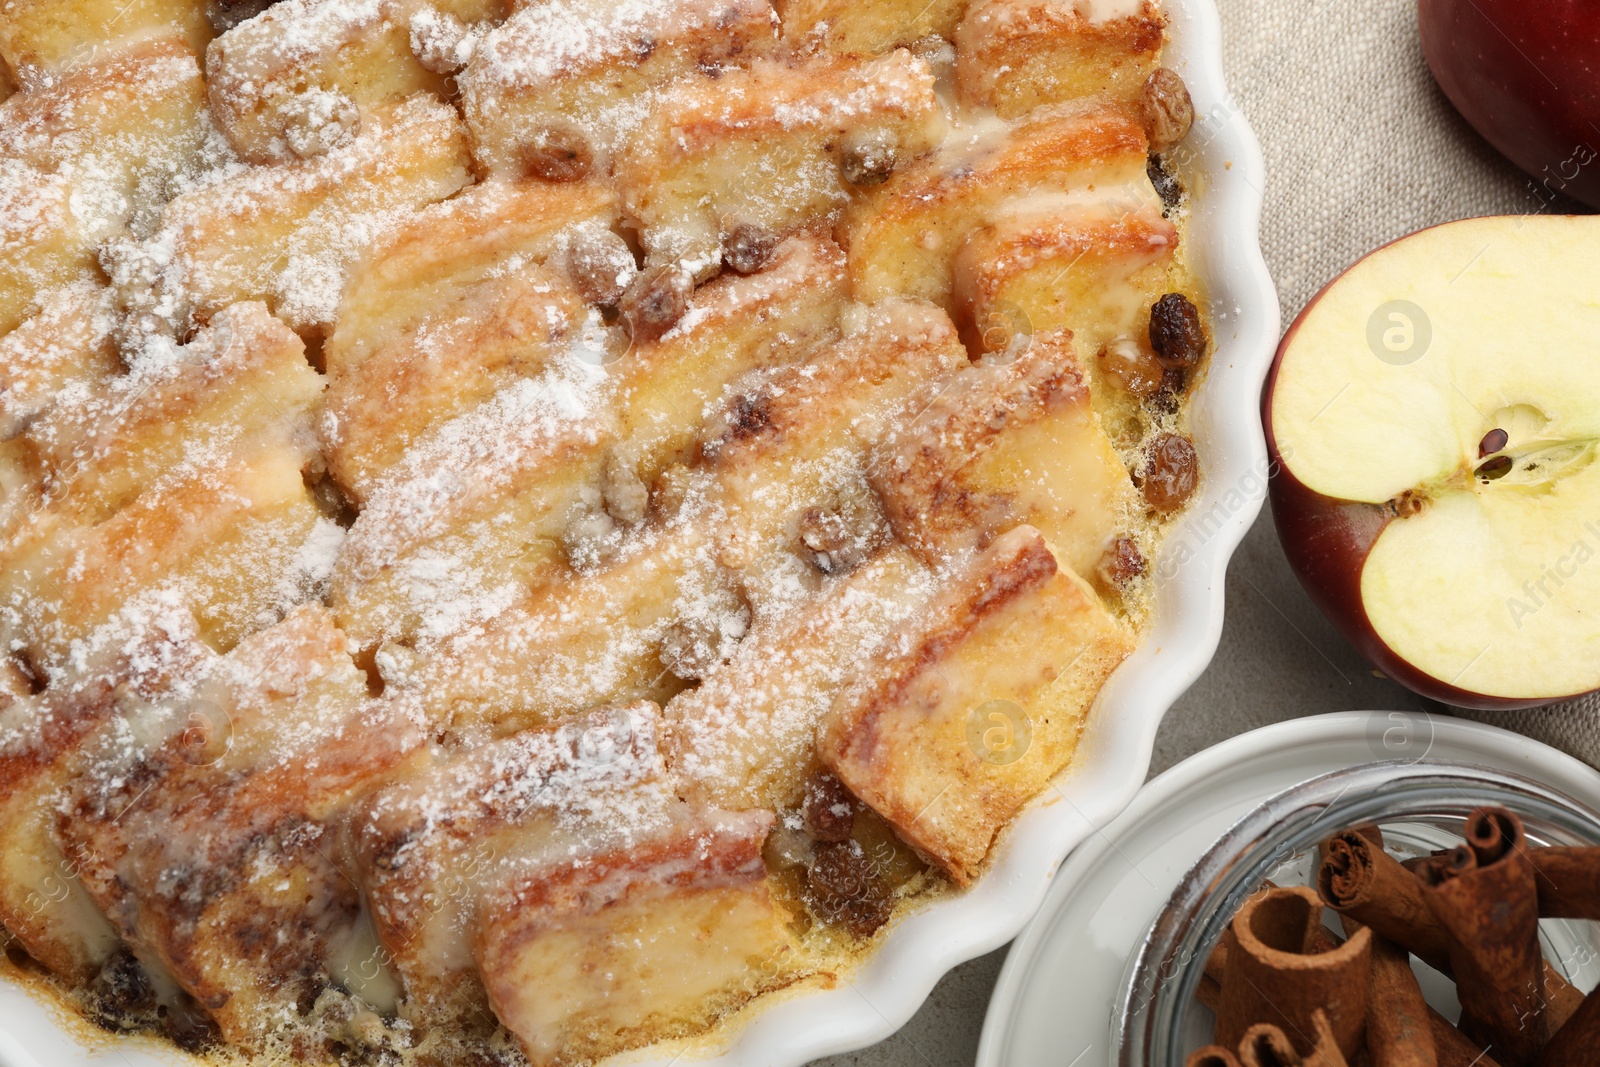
column 1434, row 417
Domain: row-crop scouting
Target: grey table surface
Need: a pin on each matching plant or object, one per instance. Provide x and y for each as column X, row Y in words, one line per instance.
column 1374, row 174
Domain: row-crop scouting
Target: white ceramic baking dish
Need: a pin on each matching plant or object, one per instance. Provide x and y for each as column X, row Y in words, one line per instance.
column 1223, row 171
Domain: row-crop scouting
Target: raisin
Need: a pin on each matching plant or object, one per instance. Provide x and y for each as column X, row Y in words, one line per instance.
column 122, row 993
column 828, row 809
column 845, row 891
column 699, row 641
column 1122, row 563
column 558, row 155
column 601, row 267
column 869, row 160
column 1131, row 366
column 1175, row 331
column 839, row 872
column 226, row 14
column 655, row 302
column 828, row 540
column 1165, row 182
column 1167, row 109
column 750, row 415
column 1170, row 472
column 190, row 1028
column 748, row 248
column 1165, row 401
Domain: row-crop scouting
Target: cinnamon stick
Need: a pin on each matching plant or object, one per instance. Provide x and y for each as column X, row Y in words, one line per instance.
column 1281, row 972
column 1364, row 882
column 1455, row 1049
column 1212, row 1056
column 1568, row 880
column 1451, row 1047
column 1369, row 885
column 1399, row 1033
column 1576, row 1044
column 1483, row 894
column 1265, row 1045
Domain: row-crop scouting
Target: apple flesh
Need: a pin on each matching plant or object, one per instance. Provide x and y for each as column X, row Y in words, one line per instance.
column 1433, row 417
column 1526, row 75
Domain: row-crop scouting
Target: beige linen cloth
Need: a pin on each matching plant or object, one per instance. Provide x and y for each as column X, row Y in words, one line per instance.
column 1362, row 148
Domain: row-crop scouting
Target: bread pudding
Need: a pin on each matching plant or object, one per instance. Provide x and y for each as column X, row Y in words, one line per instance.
column 528, row 527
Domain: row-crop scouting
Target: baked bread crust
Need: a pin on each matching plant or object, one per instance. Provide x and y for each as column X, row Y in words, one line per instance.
column 527, row 526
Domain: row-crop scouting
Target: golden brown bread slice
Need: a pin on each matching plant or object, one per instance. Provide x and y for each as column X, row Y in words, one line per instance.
column 1001, row 443
column 123, row 130
column 868, row 29
column 746, row 736
column 770, row 147
column 438, row 254
column 1014, row 55
column 43, row 903
column 498, row 500
column 461, row 527
column 40, row 39
column 43, row 244
column 298, row 78
column 242, row 380
column 903, row 236
column 137, row 514
column 1091, row 266
column 20, row 490
column 235, row 544
column 792, row 444
column 595, row 638
column 86, row 157
column 431, row 844
column 979, row 704
column 66, row 351
column 466, row 298
column 557, row 88
column 663, row 390
column 287, row 233
column 498, row 332
column 205, row 826
column 651, row 940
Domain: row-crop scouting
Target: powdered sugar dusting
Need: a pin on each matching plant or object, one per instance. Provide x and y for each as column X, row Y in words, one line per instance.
column 310, row 722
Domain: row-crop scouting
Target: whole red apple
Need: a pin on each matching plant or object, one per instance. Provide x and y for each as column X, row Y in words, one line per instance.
column 1433, row 418
column 1526, row 75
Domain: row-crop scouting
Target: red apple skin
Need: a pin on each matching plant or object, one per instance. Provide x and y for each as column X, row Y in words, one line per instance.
column 1327, row 541
column 1526, row 75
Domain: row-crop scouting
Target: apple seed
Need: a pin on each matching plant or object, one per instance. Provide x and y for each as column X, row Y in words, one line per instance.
column 1493, row 441
column 1498, row 467
column 1408, row 503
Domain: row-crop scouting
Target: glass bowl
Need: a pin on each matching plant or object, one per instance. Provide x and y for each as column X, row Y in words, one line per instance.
column 1420, row 805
